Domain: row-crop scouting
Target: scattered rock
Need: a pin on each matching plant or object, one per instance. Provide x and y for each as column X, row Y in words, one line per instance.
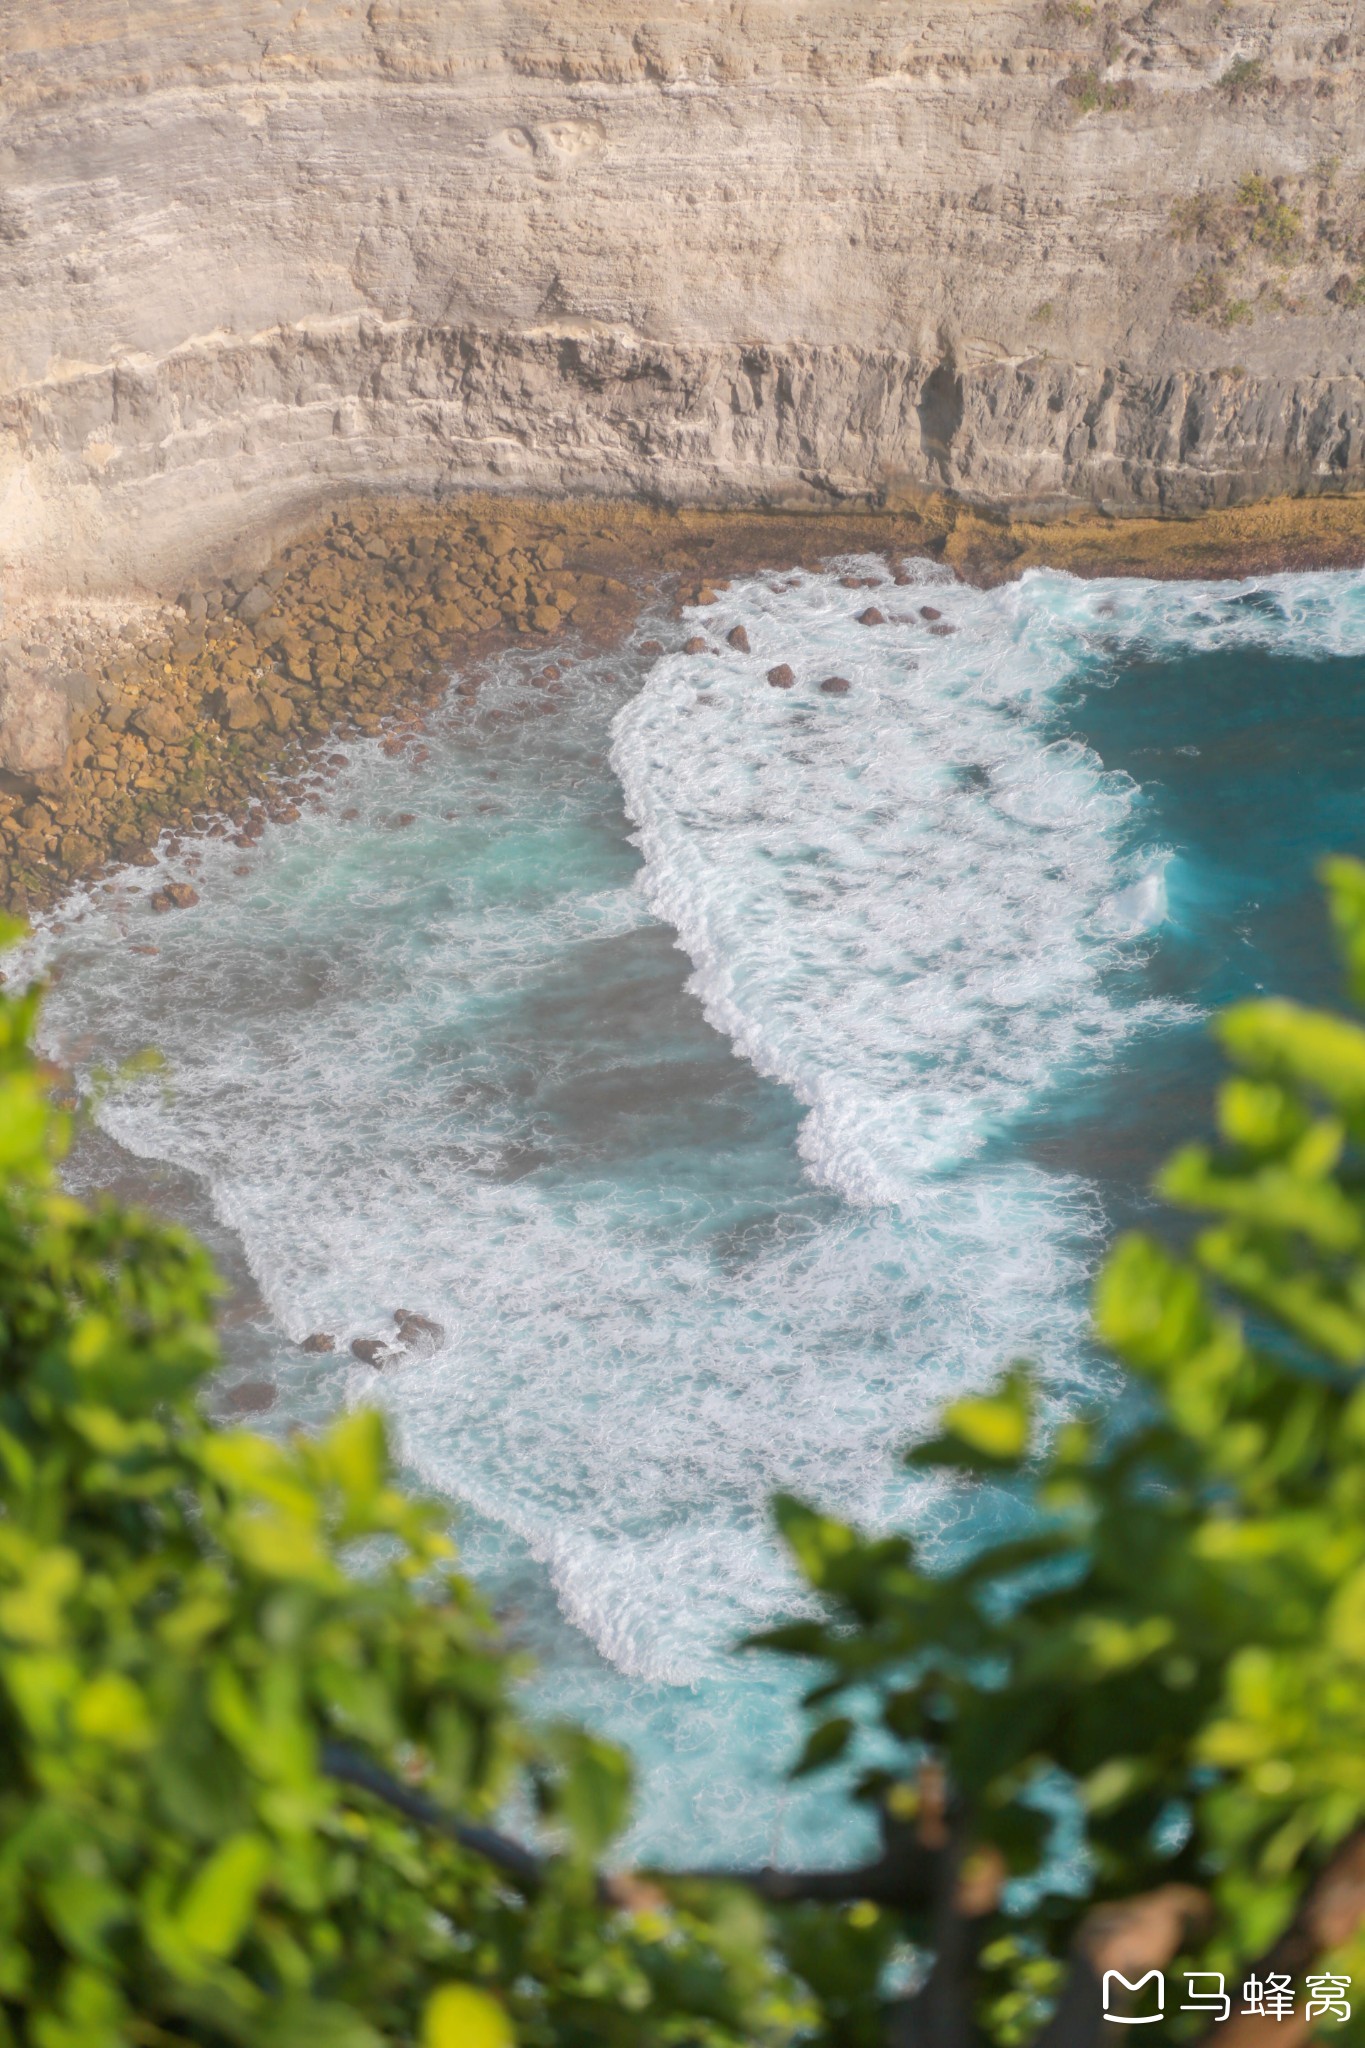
column 255, row 604
column 318, row 1342
column 738, row 639
column 175, row 896
column 236, row 707
column 401, row 822
column 696, row 645
column 781, row 677
column 418, row 1333
column 927, row 611
column 872, row 617
column 80, row 689
column 159, row 722
column 941, row 632
column 706, row 595
column 651, row 648
column 902, row 580
column 836, row 686
column 251, row 1397
column 370, row 1351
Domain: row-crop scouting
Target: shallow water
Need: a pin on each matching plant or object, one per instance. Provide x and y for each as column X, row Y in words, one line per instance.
column 734, row 1073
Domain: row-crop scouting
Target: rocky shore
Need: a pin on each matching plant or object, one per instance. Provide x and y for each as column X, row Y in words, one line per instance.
column 118, row 723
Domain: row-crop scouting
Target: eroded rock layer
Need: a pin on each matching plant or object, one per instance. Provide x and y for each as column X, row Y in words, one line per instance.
column 1041, row 252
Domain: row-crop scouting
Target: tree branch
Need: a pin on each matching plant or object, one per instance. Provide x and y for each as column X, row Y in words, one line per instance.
column 902, row 1876
column 349, row 1767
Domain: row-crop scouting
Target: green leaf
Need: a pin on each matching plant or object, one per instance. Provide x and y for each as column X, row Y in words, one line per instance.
column 219, row 1903
column 824, row 1745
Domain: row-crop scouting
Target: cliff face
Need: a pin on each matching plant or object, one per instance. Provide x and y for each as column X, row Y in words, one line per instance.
column 1040, row 251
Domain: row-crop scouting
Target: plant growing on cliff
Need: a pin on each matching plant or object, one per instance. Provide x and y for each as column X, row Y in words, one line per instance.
column 1089, row 92
column 1169, row 1650
column 1243, row 76
column 209, row 1645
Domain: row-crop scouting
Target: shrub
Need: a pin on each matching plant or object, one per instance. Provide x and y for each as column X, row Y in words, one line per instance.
column 210, row 1644
column 1089, row 92
column 1169, row 1651
column 189, row 1617
column 1244, row 75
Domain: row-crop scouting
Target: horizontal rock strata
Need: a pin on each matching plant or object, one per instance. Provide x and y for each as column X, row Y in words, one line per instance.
column 1036, row 252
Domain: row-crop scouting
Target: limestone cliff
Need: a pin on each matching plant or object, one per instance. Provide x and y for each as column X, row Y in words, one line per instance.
column 1044, row 252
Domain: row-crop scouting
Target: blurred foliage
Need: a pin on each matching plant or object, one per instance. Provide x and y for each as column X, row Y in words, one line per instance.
column 187, row 1614
column 1173, row 1651
column 1159, row 1676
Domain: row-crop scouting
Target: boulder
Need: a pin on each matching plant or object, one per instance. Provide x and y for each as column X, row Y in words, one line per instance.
column 418, row 1333
column 928, row 611
column 80, row 688
column 318, row 1343
column 370, row 1351
column 781, row 677
column 696, row 645
column 250, row 1397
column 175, row 896
column 872, row 617
column 836, row 686
column 738, row 639
column 158, row 722
column 237, row 707
column 35, row 721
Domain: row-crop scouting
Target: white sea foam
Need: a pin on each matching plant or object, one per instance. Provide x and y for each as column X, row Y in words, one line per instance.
column 903, row 902
column 451, row 1068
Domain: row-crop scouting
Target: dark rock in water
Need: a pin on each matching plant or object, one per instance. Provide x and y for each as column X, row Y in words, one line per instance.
column 417, row 1332
column 901, row 580
column 252, row 1397
column 696, row 645
column 651, row 648
column 942, row 632
column 927, row 611
column 370, row 1351
column 319, row 1341
column 175, row 896
column 836, row 686
column 872, row 617
column 402, row 821
column 738, row 639
column 781, row 677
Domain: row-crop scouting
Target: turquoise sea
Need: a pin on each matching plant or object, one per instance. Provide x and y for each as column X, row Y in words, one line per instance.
column 733, row 1073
